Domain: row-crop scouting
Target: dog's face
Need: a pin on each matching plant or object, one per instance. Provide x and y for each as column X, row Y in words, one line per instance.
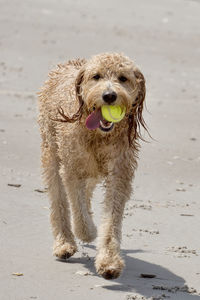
column 111, row 79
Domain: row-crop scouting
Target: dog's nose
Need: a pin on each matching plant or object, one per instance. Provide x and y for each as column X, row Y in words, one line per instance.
column 109, row 97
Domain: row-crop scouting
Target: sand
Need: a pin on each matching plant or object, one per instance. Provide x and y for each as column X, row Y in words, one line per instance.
column 161, row 221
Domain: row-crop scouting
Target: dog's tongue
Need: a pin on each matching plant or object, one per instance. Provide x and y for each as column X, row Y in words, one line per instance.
column 93, row 120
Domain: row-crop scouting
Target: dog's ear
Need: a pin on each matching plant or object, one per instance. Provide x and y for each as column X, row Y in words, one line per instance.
column 76, row 116
column 79, row 80
column 141, row 86
column 140, row 97
column 136, row 118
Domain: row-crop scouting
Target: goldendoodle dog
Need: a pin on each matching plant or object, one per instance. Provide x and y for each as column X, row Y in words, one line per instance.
column 80, row 149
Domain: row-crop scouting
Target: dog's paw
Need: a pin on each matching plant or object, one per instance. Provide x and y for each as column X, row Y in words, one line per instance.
column 109, row 267
column 64, row 251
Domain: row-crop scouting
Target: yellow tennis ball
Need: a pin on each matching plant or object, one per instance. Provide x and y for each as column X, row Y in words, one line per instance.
column 113, row 113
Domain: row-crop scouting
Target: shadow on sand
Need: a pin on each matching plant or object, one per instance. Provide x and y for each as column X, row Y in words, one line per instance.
column 131, row 282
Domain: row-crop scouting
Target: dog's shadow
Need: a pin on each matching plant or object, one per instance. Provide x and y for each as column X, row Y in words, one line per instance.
column 131, row 280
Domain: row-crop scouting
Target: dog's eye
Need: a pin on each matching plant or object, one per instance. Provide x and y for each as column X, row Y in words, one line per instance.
column 122, row 78
column 96, row 77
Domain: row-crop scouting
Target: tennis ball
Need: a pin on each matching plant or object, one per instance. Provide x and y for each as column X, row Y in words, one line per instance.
column 113, row 113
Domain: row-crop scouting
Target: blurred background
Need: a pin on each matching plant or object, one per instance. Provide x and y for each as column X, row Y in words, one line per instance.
column 163, row 38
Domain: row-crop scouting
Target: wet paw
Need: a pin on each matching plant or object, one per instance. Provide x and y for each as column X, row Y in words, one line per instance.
column 111, row 273
column 109, row 267
column 64, row 251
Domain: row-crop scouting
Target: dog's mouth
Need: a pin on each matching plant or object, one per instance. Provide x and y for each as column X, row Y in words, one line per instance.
column 95, row 120
column 105, row 125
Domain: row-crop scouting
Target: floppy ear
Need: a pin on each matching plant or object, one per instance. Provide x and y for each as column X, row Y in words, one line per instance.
column 141, row 86
column 140, row 99
column 78, row 82
column 76, row 116
column 135, row 118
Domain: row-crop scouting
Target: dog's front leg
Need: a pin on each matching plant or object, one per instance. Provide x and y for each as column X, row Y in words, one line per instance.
column 109, row 264
column 84, row 227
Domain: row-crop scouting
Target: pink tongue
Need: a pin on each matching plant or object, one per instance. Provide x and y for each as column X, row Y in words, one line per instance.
column 93, row 120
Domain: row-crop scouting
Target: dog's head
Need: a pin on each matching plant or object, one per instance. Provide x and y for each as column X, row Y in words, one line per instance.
column 111, row 79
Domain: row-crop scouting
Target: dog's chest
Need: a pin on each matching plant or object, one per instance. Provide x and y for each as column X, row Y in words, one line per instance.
column 96, row 164
column 100, row 159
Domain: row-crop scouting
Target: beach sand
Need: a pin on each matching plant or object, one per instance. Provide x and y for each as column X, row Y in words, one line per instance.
column 161, row 221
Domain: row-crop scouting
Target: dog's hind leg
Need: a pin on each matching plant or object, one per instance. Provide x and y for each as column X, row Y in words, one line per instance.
column 90, row 186
column 64, row 245
column 79, row 196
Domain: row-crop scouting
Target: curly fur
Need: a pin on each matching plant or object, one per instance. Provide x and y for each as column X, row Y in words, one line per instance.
column 75, row 159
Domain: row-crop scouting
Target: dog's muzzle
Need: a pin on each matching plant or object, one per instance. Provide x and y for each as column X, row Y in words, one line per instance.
column 95, row 120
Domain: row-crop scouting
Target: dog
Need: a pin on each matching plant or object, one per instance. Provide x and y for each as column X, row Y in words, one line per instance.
column 76, row 157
